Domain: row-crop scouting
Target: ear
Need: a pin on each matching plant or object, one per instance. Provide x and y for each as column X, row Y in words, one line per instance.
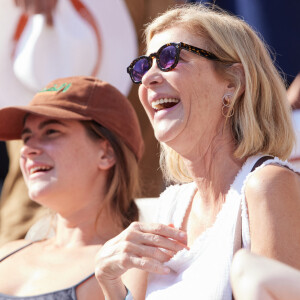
column 237, row 85
column 107, row 157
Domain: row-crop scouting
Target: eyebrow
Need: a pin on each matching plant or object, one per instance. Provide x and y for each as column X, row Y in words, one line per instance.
column 44, row 124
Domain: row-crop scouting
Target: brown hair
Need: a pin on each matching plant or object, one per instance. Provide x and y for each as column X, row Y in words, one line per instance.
column 123, row 180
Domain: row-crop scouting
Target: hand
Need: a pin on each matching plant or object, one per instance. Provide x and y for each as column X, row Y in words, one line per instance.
column 142, row 246
column 44, row 7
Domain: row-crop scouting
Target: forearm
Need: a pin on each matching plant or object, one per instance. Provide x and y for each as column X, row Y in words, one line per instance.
column 255, row 277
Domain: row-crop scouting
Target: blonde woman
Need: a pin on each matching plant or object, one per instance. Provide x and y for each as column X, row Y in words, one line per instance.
column 218, row 107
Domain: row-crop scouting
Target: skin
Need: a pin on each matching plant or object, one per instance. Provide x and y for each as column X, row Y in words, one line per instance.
column 255, row 277
column 196, row 129
column 75, row 194
column 273, row 195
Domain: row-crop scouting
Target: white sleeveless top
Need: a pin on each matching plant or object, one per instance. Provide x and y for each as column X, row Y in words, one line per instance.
column 203, row 271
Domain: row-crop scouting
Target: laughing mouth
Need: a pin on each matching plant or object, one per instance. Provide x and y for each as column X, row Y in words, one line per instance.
column 39, row 169
column 164, row 103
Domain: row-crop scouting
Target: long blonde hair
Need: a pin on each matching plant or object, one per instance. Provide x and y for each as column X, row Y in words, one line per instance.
column 261, row 122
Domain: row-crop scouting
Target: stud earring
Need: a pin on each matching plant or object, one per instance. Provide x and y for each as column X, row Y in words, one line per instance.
column 226, row 106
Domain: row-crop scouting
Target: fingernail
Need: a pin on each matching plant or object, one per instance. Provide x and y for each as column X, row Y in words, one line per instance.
column 166, row 270
column 171, row 225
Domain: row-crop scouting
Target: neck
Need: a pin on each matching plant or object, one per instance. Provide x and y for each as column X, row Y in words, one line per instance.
column 213, row 169
column 87, row 226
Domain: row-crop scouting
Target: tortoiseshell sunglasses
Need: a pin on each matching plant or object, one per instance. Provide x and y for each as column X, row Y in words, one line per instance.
column 166, row 58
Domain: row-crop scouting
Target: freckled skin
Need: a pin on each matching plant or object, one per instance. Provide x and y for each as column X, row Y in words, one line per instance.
column 68, row 146
column 197, row 116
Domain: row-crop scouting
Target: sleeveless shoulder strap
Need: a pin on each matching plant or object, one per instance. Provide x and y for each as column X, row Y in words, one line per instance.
column 15, row 251
column 84, row 280
column 261, row 161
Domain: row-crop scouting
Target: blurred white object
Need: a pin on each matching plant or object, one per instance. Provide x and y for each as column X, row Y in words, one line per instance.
column 69, row 48
column 295, row 156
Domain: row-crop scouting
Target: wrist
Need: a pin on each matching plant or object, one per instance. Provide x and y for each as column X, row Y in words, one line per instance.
column 113, row 289
column 128, row 295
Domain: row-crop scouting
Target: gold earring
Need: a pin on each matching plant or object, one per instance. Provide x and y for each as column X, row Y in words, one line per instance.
column 226, row 105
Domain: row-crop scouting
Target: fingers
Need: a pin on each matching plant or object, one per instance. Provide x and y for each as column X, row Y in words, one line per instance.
column 123, row 249
column 161, row 242
column 169, row 240
column 155, row 253
column 127, row 256
column 161, row 231
column 142, row 246
column 150, row 265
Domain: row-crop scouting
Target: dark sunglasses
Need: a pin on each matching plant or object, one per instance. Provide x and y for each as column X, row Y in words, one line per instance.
column 166, row 58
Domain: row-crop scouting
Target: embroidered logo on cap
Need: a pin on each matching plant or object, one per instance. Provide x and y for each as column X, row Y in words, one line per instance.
column 63, row 88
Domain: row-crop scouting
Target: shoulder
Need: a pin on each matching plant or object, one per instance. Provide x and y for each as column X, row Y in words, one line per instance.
column 272, row 177
column 12, row 246
column 272, row 184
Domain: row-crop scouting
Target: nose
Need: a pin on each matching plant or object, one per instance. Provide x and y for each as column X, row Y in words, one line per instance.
column 31, row 149
column 153, row 76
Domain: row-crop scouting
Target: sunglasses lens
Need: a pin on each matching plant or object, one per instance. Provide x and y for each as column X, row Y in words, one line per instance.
column 167, row 57
column 140, row 68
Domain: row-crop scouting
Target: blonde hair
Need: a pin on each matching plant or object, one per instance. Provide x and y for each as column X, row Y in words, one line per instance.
column 261, row 122
column 123, row 184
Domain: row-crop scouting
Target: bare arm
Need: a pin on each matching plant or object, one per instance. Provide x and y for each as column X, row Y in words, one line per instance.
column 141, row 246
column 273, row 199
column 255, row 277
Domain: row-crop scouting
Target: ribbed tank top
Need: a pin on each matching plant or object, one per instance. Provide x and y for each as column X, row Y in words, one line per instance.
column 203, row 271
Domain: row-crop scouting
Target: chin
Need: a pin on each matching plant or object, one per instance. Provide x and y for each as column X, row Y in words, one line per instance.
column 168, row 130
column 36, row 197
column 38, row 192
column 166, row 136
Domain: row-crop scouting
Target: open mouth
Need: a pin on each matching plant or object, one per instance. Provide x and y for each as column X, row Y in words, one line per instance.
column 164, row 103
column 34, row 170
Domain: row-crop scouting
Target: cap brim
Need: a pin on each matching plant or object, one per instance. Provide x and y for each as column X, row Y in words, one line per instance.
column 12, row 118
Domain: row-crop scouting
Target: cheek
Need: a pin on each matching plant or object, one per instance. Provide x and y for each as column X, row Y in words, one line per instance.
column 143, row 95
column 22, row 162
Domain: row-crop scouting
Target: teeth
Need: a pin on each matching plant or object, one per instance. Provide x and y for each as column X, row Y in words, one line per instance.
column 157, row 104
column 40, row 168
